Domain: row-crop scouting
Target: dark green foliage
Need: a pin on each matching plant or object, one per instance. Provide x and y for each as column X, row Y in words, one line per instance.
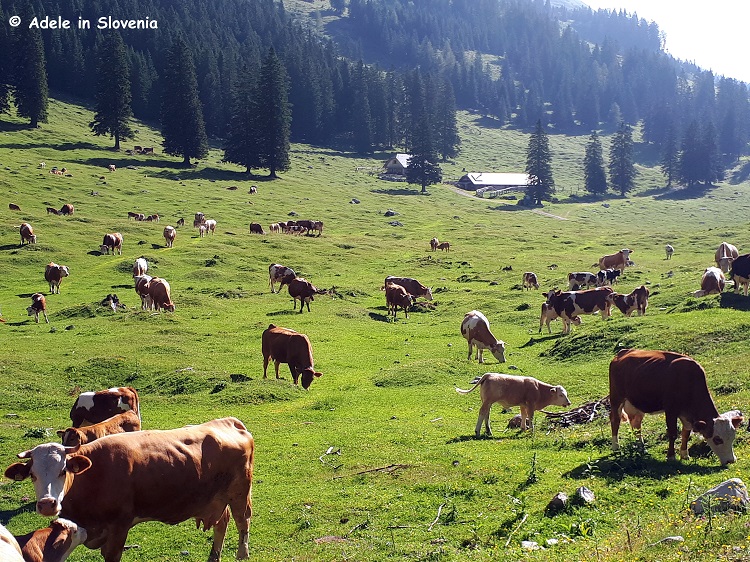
column 423, row 168
column 5, row 67
column 690, row 156
column 30, row 74
column 595, row 178
column 539, row 166
column 669, row 164
column 622, row 170
column 113, row 97
column 241, row 146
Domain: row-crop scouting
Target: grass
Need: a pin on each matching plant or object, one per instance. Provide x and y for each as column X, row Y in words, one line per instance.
column 386, row 398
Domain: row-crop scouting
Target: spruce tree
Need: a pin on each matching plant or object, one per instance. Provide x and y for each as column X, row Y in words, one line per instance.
column 30, row 91
column 274, row 116
column 181, row 114
column 669, row 163
column 5, row 76
column 422, row 168
column 711, row 167
column 445, row 122
column 595, row 179
column 622, row 170
column 539, row 166
column 690, row 156
column 113, row 111
column 241, row 146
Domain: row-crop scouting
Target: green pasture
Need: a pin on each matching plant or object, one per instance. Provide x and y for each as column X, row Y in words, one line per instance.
column 400, row 438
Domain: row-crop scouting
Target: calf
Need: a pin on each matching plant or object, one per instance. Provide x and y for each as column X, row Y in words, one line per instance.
column 725, row 255
column 140, row 267
column 412, row 286
column 510, row 390
column 303, row 290
column 283, row 345
column 607, row 277
column 396, row 296
column 159, row 291
column 67, row 209
column 712, row 282
column 119, row 423
column 51, row 544
column 434, row 243
column 581, row 279
column 202, row 230
column 444, row 246
column 95, row 407
column 181, row 222
column 530, row 281
column 111, row 242
column 740, row 273
column 27, row 234
column 169, row 235
column 38, row 304
column 669, row 250
column 663, row 381
column 570, row 304
column 549, row 314
column 256, row 228
column 627, row 304
column 54, row 274
column 13, row 207
column 199, row 219
column 615, row 261
column 281, row 274
column 476, row 329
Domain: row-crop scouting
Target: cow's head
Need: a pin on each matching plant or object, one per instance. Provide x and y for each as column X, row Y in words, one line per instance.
column 169, row 306
column 64, row 271
column 719, row 433
column 51, row 468
column 428, row 294
column 498, row 350
column 31, row 310
column 307, row 377
column 64, row 537
column 71, row 437
column 626, row 253
column 560, row 396
column 104, row 249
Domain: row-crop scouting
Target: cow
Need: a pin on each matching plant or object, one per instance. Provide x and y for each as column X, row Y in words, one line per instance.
column 210, row 226
column 434, row 243
column 274, row 227
column 137, row 149
column 27, row 234
column 95, row 407
column 281, row 274
column 152, row 218
column 318, row 226
column 476, row 329
column 112, row 301
column 202, row 230
column 38, row 304
column 51, row 544
column 148, row 150
column 725, row 255
column 253, row 189
column 119, row 423
column 111, row 242
column 395, row 297
column 412, row 286
column 110, row 485
column 111, row 167
column 52, row 211
column 302, row 289
column 67, row 209
column 256, row 228
column 142, row 283
column 13, row 207
column 569, row 304
column 740, row 273
column 549, row 314
column 510, row 390
column 199, row 219
column 305, row 224
column 669, row 250
column 581, row 279
column 140, row 217
column 10, row 551
column 446, row 246
column 530, row 281
column 663, row 381
column 636, row 300
column 181, row 222
column 282, row 345
column 607, row 277
column 712, row 282
column 169, row 235
column 54, row 274
column 140, row 267
column 42, row 165
column 159, row 291
column 615, row 261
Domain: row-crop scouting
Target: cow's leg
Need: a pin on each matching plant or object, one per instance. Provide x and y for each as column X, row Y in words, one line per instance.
column 46, row 318
column 484, row 415
column 686, row 430
column 480, row 354
column 276, row 364
column 220, row 531
column 614, row 421
column 242, row 511
column 524, row 416
column 469, row 356
column 116, row 537
column 671, row 434
column 270, row 282
column 308, row 307
column 265, row 366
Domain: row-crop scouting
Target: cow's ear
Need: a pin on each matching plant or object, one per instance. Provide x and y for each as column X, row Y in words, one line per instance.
column 553, row 390
column 18, row 471
column 544, row 294
column 737, row 420
column 700, row 426
column 60, row 432
column 77, row 464
column 317, row 374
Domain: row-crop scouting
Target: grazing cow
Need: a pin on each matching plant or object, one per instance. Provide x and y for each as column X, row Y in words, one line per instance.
column 615, row 261
column 210, row 226
column 110, row 485
column 38, row 304
column 725, row 255
column 581, row 279
column 51, row 544
column 297, row 229
column 302, row 289
column 669, row 250
column 663, row 381
column 137, row 149
column 282, row 345
column 181, row 222
column 317, row 225
column 140, row 217
column 434, row 243
column 67, row 209
column 152, row 218
column 476, row 329
column 112, row 167
column 52, row 211
column 140, row 267
column 274, row 227
column 281, row 274
column 253, row 189
column 256, row 228
column 446, row 246
column 202, row 230
column 530, row 281
column 740, row 273
column 412, row 286
column 549, row 314
column 509, row 390
column 42, row 165
column 712, row 282
column 10, row 551
column 569, row 304
column 607, row 277
column 13, row 207
column 27, row 234
column 148, row 150
column 169, row 235
column 199, row 219
column 95, row 407
column 111, row 242
column 142, row 283
column 627, row 304
column 159, row 291
column 53, row 274
column 119, row 423
column 396, row 296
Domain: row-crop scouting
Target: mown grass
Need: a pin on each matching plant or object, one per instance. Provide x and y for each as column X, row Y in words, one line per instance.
column 386, row 398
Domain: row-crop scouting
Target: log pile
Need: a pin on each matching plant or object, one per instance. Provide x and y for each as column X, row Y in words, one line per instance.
column 581, row 415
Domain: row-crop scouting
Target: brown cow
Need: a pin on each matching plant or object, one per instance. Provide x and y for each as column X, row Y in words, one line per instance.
column 636, row 300
column 476, row 329
column 54, row 274
column 712, row 282
column 396, row 296
column 256, row 228
column 67, row 209
column 726, row 253
column 444, row 246
column 27, row 234
column 570, row 304
column 281, row 274
column 111, row 242
column 412, row 286
column 317, row 225
column 159, row 291
column 38, row 304
column 110, row 485
column 199, row 219
column 615, row 261
column 95, row 407
column 549, row 314
column 283, row 345
column 120, row 423
column 530, row 281
column 302, row 289
column 51, row 544
column 663, row 381
column 142, row 283
column 509, row 390
column 169, row 235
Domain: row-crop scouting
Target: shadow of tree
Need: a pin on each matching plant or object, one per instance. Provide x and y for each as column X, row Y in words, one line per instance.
column 741, row 175
column 693, row 192
column 397, row 191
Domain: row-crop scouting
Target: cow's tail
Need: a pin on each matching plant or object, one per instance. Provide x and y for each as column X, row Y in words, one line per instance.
column 478, row 380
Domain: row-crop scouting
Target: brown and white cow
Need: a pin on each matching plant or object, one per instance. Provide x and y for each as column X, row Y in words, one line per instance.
column 256, row 228
column 27, row 234
column 663, row 381
column 51, row 544
column 169, row 235
column 38, row 304
column 712, row 282
column 110, row 485
column 160, row 293
column 475, row 328
column 530, row 281
column 274, row 227
column 549, row 314
column 615, row 261
column 581, row 279
column 396, row 296
column 509, row 390
column 570, row 304
column 740, row 273
column 199, row 219
column 142, row 283
column 53, row 274
column 434, row 243
column 446, row 246
column 140, row 266
column 725, row 255
column 281, row 274
column 152, row 218
column 67, row 209
column 635, row 301
column 94, row 407
column 210, row 226
column 412, row 286
column 112, row 167
column 119, row 423
column 302, row 289
column 111, row 242
column 318, row 226
column 282, row 345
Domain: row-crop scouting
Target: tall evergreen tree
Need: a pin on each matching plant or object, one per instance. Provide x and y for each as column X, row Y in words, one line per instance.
column 622, row 170
column 711, row 167
column 539, row 166
column 182, row 123
column 30, row 91
column 274, row 116
column 241, row 146
column 113, row 97
column 5, row 68
column 422, row 168
column 690, row 156
column 670, row 156
column 595, row 178
column 446, row 125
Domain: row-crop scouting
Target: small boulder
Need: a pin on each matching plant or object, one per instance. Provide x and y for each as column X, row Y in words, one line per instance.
column 395, row 223
column 729, row 495
column 530, row 545
column 584, row 496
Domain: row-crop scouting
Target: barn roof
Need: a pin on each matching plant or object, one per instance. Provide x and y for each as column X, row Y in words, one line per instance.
column 482, row 179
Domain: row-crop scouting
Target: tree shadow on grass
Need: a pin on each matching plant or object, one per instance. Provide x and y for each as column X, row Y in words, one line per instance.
column 10, row 247
column 398, row 191
column 64, row 146
column 533, row 340
column 741, row 175
column 8, row 514
column 693, row 192
column 282, row 313
column 506, row 207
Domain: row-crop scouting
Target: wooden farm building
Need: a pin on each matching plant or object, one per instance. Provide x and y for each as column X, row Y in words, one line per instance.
column 397, row 165
column 482, row 181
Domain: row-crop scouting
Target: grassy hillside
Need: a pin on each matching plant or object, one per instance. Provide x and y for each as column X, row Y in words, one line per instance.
column 386, row 398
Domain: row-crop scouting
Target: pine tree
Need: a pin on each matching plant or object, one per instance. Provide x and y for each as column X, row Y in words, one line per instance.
column 181, row 114
column 622, row 170
column 445, row 122
column 689, row 161
column 241, row 146
column 539, row 166
column 5, row 75
column 30, row 91
column 113, row 97
column 669, row 163
column 595, row 179
column 274, row 116
column 422, row 168
column 711, row 167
